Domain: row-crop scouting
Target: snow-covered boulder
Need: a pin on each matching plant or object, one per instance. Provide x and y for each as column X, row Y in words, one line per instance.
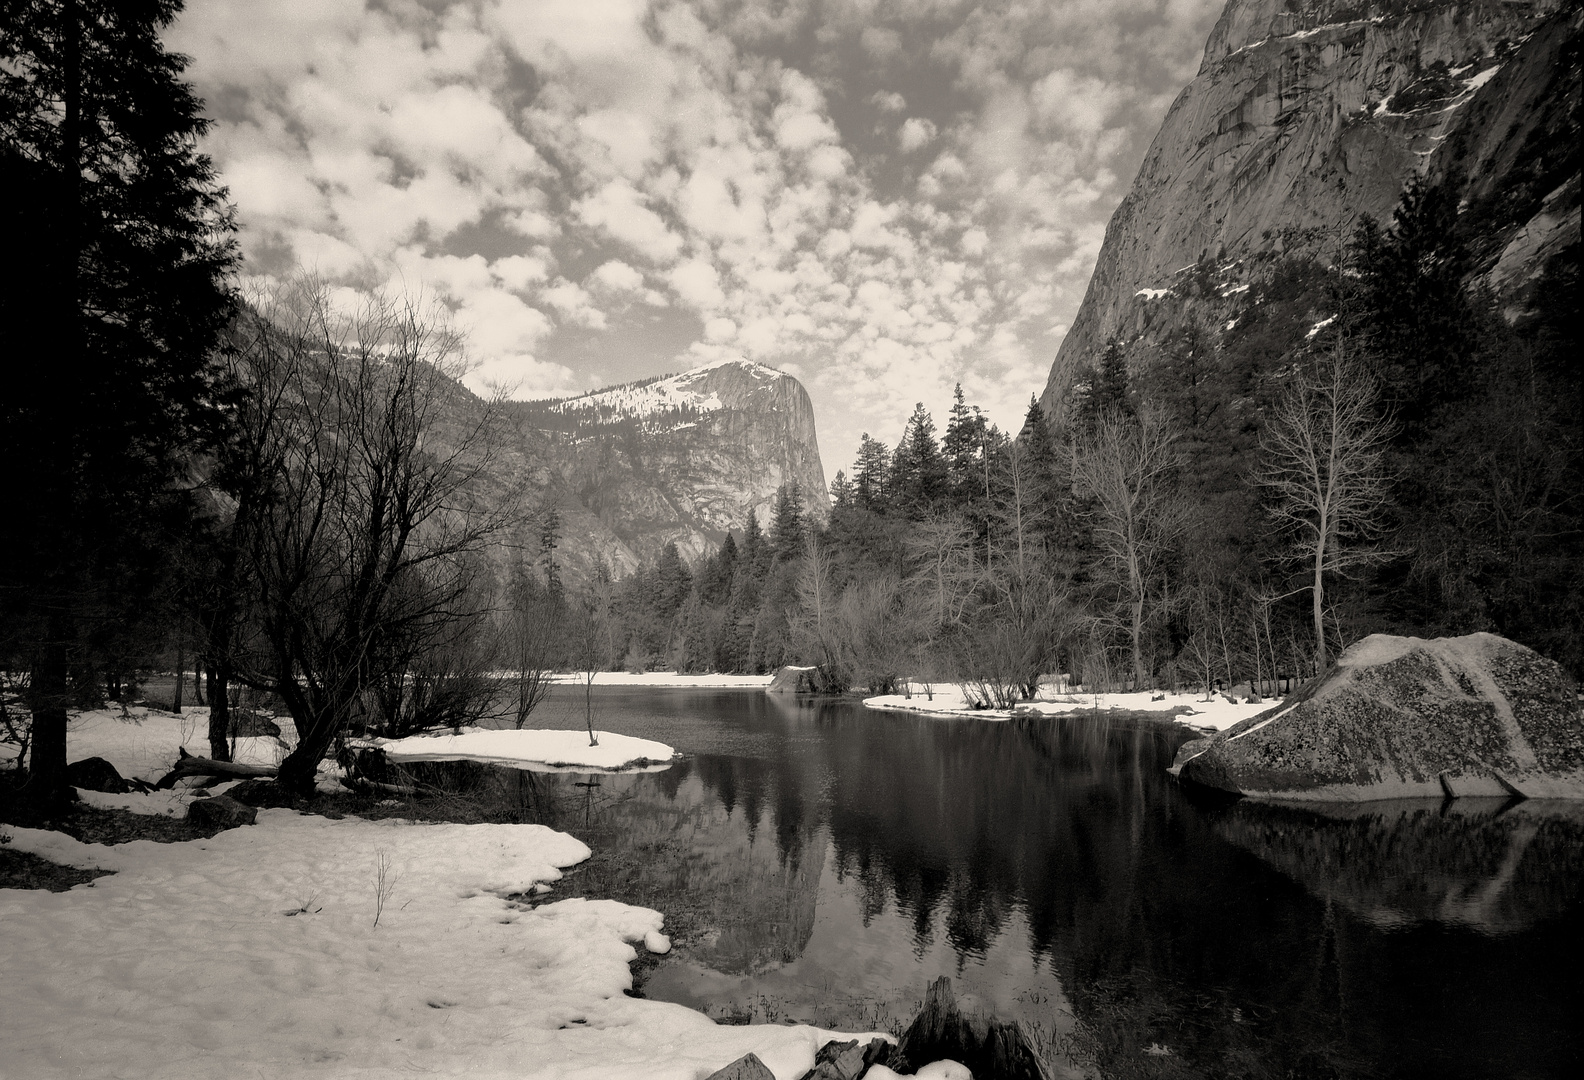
column 1402, row 717
column 794, row 680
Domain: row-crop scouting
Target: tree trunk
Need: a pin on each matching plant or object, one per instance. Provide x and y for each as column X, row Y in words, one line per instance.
column 1138, row 653
column 1319, row 611
column 181, row 678
column 220, row 711
column 198, row 671
column 45, row 791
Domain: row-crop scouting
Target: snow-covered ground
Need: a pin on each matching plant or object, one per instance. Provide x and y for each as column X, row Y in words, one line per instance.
column 1217, row 714
column 538, row 750
column 256, row 952
column 665, row 678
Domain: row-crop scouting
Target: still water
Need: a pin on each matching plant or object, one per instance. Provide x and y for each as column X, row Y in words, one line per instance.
column 823, row 862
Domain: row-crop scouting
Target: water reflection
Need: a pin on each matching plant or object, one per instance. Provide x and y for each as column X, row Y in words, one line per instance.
column 1493, row 866
column 832, row 860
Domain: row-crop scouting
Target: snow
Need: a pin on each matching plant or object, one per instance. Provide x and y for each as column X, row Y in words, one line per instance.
column 1152, row 294
column 663, row 395
column 1319, row 326
column 665, row 678
column 1217, row 714
column 532, row 749
column 142, row 743
column 255, row 952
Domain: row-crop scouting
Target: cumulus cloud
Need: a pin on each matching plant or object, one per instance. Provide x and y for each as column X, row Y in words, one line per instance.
column 564, row 168
column 915, row 134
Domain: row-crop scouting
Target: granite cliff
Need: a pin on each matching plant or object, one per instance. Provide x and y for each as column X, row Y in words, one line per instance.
column 678, row 459
column 1307, row 114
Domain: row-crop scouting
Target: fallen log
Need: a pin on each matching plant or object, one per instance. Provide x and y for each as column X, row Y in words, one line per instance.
column 189, row 765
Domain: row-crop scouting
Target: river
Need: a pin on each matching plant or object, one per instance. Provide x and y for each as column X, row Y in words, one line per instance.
column 822, row 862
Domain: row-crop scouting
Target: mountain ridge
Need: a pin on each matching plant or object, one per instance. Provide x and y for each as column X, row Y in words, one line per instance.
column 1304, row 117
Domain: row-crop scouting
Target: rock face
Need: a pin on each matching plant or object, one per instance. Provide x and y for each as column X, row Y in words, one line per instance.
column 679, row 459
column 1401, row 717
column 1306, row 114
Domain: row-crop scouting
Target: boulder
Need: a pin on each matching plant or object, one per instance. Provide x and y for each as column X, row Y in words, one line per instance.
column 794, row 680
column 96, row 774
column 747, row 1067
column 848, row 1060
column 220, row 812
column 1402, row 717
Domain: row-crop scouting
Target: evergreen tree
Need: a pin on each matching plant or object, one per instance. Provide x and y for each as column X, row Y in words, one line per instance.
column 787, row 526
column 918, row 467
column 1109, row 391
column 125, row 236
column 963, row 448
column 1419, row 323
column 869, row 473
column 549, row 539
column 841, row 491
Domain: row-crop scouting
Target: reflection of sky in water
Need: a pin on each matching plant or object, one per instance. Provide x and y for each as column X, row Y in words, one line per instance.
column 1052, row 870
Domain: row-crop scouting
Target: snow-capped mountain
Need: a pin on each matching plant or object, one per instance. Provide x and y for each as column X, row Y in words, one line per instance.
column 680, row 458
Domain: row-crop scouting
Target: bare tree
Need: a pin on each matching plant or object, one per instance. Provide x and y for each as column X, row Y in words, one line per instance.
column 1126, row 472
column 531, row 628
column 372, row 514
column 945, row 571
column 1322, row 458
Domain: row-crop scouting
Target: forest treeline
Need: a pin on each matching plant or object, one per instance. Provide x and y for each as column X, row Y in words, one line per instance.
column 1367, row 448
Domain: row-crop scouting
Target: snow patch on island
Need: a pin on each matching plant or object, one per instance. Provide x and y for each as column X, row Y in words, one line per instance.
column 1215, row 714
column 535, row 750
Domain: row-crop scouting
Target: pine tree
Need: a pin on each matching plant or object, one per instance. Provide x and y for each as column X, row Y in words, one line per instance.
column 126, row 240
column 1109, row 391
column 918, row 467
column 963, row 447
column 870, row 472
column 787, row 525
column 841, row 491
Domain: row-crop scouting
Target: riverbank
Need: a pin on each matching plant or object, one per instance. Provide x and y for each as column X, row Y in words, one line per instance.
column 1215, row 714
column 311, row 945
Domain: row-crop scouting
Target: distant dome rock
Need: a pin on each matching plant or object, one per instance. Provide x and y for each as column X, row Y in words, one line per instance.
column 677, row 458
column 1405, row 717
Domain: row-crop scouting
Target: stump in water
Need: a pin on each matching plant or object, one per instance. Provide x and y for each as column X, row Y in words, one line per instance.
column 987, row 1046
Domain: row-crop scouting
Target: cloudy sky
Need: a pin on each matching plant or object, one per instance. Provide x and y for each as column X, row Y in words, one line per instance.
column 883, row 197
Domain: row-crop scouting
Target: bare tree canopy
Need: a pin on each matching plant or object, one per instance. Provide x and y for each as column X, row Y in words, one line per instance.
column 1323, row 463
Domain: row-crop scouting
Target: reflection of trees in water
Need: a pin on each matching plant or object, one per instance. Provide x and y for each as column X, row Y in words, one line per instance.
column 1231, row 936
column 1166, row 935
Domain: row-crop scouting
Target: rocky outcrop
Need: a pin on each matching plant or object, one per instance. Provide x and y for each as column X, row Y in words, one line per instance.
column 1401, row 717
column 675, row 460
column 1306, row 114
column 795, row 680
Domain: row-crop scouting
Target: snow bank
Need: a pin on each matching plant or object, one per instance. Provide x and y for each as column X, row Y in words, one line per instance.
column 1215, row 715
column 143, row 743
column 664, row 678
column 256, row 952
column 561, row 750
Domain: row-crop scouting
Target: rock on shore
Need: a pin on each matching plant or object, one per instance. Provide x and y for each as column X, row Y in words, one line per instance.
column 1402, row 717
